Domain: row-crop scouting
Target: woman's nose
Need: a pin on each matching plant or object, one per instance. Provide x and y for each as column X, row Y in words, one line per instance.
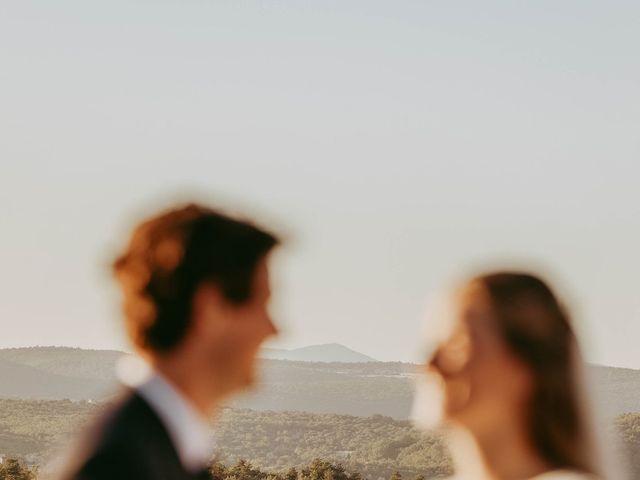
column 453, row 358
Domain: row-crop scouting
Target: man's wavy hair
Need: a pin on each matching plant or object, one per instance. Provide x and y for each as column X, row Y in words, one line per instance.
column 169, row 256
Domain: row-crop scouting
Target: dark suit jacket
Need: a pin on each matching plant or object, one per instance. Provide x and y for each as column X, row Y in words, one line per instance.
column 128, row 442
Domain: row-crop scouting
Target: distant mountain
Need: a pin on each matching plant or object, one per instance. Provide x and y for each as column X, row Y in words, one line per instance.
column 330, row 352
column 354, row 388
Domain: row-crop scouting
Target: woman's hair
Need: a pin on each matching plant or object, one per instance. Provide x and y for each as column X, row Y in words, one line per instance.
column 536, row 328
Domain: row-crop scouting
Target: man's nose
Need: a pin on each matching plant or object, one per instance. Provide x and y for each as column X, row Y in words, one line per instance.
column 272, row 330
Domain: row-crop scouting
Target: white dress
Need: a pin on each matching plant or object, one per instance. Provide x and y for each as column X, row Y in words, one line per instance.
column 564, row 475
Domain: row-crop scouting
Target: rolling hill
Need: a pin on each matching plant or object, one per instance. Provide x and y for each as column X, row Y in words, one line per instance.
column 24, row 381
column 347, row 388
column 72, row 362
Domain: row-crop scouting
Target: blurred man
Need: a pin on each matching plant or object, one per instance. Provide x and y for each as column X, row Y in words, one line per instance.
column 195, row 285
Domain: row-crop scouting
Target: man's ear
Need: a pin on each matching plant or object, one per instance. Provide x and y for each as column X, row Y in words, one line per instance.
column 208, row 308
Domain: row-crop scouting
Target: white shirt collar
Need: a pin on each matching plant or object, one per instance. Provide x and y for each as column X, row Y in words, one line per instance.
column 189, row 431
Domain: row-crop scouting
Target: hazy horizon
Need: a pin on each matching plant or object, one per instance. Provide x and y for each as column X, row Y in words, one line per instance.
column 397, row 147
column 128, row 351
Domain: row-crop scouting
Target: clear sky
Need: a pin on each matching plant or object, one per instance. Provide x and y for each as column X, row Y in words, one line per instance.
column 397, row 144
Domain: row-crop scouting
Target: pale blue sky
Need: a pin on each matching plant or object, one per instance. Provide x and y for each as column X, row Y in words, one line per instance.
column 399, row 144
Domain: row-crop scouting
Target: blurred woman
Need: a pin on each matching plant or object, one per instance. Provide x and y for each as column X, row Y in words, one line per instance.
column 508, row 372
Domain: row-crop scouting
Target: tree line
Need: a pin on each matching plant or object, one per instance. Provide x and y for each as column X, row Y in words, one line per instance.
column 16, row 469
column 376, row 447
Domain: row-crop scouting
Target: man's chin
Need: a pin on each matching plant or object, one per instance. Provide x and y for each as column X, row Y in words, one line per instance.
column 248, row 382
column 246, row 379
